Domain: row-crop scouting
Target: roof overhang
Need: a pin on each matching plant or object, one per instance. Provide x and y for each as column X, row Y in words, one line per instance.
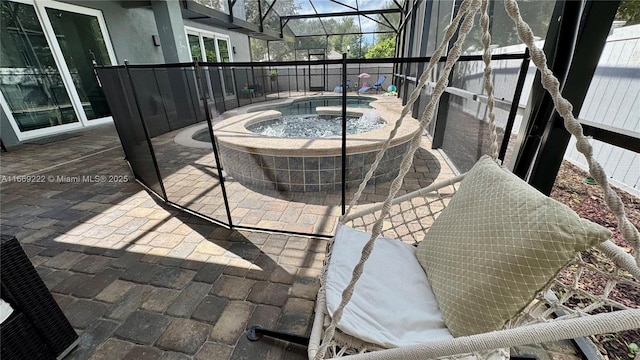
column 204, row 15
column 207, row 16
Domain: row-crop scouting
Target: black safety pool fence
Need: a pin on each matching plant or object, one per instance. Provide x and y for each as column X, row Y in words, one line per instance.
column 167, row 117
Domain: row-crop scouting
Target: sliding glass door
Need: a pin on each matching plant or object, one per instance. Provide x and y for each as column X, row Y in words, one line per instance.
column 82, row 42
column 212, row 47
column 227, row 74
column 30, row 79
column 47, row 49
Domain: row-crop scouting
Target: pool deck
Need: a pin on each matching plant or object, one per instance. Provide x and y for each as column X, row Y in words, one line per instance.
column 140, row 280
column 190, row 179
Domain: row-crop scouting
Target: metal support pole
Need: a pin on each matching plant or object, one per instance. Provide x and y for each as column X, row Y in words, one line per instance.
column 297, row 86
column 405, row 87
column 255, row 332
column 573, row 46
column 231, row 3
column 261, row 25
column 344, row 133
column 424, row 41
column 515, row 103
column 207, row 113
column 443, row 105
column 234, row 77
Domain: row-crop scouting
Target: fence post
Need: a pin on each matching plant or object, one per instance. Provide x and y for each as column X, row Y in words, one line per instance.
column 344, row 132
column 146, row 131
column 515, row 103
column 207, row 114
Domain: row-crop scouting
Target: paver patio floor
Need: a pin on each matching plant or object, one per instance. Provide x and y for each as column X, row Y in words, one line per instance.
column 191, row 180
column 139, row 279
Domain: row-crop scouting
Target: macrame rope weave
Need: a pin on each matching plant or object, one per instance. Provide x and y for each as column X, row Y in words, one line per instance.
column 565, row 109
column 466, row 14
column 471, row 8
column 488, row 82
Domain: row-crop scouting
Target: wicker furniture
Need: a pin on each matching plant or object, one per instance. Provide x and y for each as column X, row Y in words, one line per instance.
column 37, row 329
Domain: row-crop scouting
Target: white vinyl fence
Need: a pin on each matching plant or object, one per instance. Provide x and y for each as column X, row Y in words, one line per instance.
column 612, row 102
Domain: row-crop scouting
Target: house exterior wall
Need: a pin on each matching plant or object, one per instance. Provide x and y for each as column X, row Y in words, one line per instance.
column 131, row 31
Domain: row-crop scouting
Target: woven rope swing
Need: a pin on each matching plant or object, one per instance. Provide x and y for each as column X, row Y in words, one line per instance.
column 553, row 313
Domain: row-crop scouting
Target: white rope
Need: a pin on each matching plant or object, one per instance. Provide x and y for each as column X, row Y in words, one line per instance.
column 488, row 81
column 471, row 7
column 413, row 97
column 467, row 12
column 565, row 109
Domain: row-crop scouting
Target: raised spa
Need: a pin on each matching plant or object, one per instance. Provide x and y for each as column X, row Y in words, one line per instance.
column 314, row 126
column 299, row 160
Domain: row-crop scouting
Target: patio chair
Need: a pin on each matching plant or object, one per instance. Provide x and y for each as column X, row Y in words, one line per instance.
column 258, row 90
column 377, row 86
column 338, row 88
column 497, row 264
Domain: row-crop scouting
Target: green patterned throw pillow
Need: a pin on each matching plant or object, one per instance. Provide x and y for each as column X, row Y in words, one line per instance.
column 497, row 243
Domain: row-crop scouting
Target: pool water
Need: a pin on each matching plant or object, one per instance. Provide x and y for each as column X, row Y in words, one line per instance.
column 313, row 126
column 308, row 106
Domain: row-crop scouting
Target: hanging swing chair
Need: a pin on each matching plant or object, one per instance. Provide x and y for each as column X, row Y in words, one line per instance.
column 474, row 265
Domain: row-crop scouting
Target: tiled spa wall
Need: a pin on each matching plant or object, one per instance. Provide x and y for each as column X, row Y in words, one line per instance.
column 308, row 174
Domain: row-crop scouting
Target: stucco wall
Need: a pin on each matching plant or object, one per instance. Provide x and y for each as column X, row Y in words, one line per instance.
column 131, row 30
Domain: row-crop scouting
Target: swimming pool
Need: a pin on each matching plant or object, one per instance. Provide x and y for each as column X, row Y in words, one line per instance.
column 309, row 105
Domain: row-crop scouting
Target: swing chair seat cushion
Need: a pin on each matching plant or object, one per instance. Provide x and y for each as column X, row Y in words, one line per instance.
column 392, row 304
column 497, row 243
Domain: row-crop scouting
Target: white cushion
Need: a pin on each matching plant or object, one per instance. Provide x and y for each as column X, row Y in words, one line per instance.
column 392, row 303
column 5, row 310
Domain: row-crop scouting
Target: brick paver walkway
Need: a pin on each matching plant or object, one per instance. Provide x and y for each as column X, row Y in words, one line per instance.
column 140, row 280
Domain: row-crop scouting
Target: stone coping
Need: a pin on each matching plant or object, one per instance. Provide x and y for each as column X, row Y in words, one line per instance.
column 232, row 133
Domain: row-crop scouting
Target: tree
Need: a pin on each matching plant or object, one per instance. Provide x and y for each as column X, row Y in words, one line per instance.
column 385, row 44
column 279, row 50
column 383, row 49
column 394, row 19
column 503, row 31
column 347, row 38
column 629, row 11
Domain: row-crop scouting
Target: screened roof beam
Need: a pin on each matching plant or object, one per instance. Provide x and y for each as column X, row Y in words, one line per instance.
column 358, row 9
column 316, row 11
column 283, row 23
column 345, row 5
column 262, row 18
column 231, row 4
column 336, row 34
column 407, row 14
column 399, row 6
column 380, row 22
column 346, row 13
column 388, row 24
